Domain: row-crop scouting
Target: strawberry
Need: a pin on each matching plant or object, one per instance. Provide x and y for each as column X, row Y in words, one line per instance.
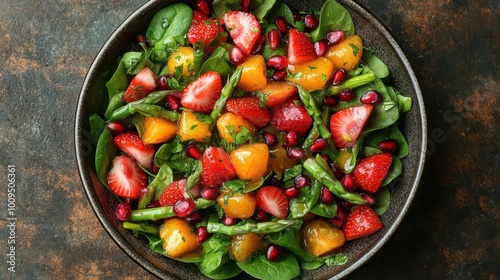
column 276, row 93
column 370, row 172
column 177, row 191
column 272, row 200
column 201, row 94
column 300, row 47
column 140, row 86
column 126, row 179
column 132, row 145
column 206, row 30
column 361, row 222
column 291, row 116
column 216, row 167
column 249, row 108
column 243, row 28
column 347, row 124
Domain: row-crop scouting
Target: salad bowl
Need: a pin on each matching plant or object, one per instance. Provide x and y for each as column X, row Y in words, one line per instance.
column 93, row 99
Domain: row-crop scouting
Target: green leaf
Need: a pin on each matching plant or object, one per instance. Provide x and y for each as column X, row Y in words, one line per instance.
column 394, row 171
column 333, row 16
column 221, row 6
column 105, row 153
column 215, row 254
column 261, row 11
column 194, row 178
column 325, row 210
column 289, row 239
column 293, row 172
column 261, row 268
column 383, row 199
column 280, row 9
column 229, row 270
column 376, row 65
column 164, row 178
column 118, row 82
column 97, row 125
column 156, row 245
column 405, row 103
column 172, row 21
column 395, row 134
column 330, row 260
column 309, row 197
column 115, row 103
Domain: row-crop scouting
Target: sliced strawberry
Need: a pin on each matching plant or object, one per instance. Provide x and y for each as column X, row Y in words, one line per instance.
column 177, row 191
column 272, row 200
column 300, row 47
column 132, row 145
column 361, row 222
column 201, row 94
column 292, row 116
column 206, row 30
column 216, row 167
column 249, row 108
column 140, row 86
column 126, row 179
column 370, row 172
column 243, row 28
column 276, row 93
column 347, row 124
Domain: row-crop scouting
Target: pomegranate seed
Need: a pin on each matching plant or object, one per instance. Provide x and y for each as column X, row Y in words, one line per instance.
column 228, row 221
column 153, row 204
column 388, row 146
column 279, row 75
column 325, row 158
column 194, row 217
column 292, row 192
column 339, row 76
column 346, row 204
column 259, row 46
column 209, row 193
column 141, row 39
column 334, row 37
column 330, row 101
column 202, row 234
column 326, row 196
column 282, row 24
column 302, row 181
column 341, row 211
column 295, row 153
column 371, row 97
column 172, row 102
column 273, row 252
column 369, row 198
column 184, row 207
column 291, row 139
column 336, row 171
column 261, row 215
column 346, row 95
column 116, row 127
column 203, row 7
column 123, row 211
column 319, row 145
column 311, row 22
column 245, row 5
column 348, row 182
column 274, row 38
column 237, row 56
column 321, row 47
column 193, row 151
column 270, row 139
column 278, row 62
column 337, row 222
column 154, row 168
column 162, row 82
column 297, row 17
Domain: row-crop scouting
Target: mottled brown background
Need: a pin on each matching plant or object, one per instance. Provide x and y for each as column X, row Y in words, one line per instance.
column 452, row 230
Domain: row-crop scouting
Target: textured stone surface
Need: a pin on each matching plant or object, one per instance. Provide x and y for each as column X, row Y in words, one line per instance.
column 451, row 230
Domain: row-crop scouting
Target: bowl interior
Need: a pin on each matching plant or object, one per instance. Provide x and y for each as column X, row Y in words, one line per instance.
column 93, row 99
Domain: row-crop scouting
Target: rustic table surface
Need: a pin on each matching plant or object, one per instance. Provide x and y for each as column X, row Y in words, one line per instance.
column 452, row 230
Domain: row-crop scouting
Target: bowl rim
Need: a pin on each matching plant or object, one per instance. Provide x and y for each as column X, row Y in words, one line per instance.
column 138, row 258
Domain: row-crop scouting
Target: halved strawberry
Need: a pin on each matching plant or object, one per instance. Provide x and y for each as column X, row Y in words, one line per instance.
column 206, row 30
column 201, row 94
column 140, row 86
column 361, row 222
column 276, row 93
column 216, row 167
column 173, row 193
column 370, row 172
column 347, row 124
column 300, row 47
column 126, row 179
column 132, row 145
column 292, row 116
column 244, row 29
column 272, row 200
column 249, row 108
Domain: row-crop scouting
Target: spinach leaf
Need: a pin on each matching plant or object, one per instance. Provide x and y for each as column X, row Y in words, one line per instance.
column 264, row 7
column 280, row 9
column 395, row 134
column 134, row 62
column 115, row 103
column 216, row 64
column 172, row 21
column 221, row 6
column 382, row 200
column 118, row 82
column 333, row 16
column 138, row 121
column 325, row 210
column 162, row 50
column 164, row 178
column 290, row 240
column 194, row 178
column 332, row 259
column 376, row 65
column 156, row 245
column 97, row 125
column 293, row 172
column 260, row 267
column 214, row 255
column 405, row 103
column 306, row 201
column 394, row 171
column 104, row 154
column 229, row 270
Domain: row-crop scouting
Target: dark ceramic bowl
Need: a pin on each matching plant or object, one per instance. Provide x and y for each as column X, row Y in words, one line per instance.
column 93, row 99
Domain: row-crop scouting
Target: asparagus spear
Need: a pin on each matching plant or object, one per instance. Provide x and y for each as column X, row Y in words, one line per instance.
column 128, row 109
column 142, row 228
column 333, row 185
column 354, row 82
column 158, row 213
column 265, row 227
column 226, row 93
column 149, row 110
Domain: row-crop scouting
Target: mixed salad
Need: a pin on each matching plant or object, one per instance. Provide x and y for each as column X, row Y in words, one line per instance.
column 242, row 136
